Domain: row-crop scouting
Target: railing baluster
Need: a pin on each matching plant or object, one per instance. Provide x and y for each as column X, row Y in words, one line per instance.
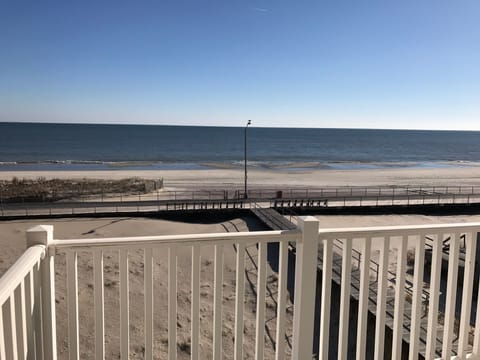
column 417, row 297
column 72, row 297
column 124, row 306
column 345, row 299
column 381, row 300
column 470, row 244
column 363, row 299
column 98, row 293
column 451, row 296
column 399, row 299
column 325, row 302
column 476, row 338
column 172, row 302
column 10, row 329
column 29, row 301
column 217, row 302
column 239, row 300
column 281, row 300
column 20, row 320
column 195, row 312
column 261, row 283
column 148, row 291
column 37, row 316
column 435, row 273
column 2, row 335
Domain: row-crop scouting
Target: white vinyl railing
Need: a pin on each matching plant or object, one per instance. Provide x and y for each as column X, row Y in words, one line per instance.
column 171, row 244
column 27, row 302
column 402, row 234
column 28, row 314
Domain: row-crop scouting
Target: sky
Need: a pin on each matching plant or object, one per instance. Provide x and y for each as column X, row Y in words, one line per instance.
column 325, row 63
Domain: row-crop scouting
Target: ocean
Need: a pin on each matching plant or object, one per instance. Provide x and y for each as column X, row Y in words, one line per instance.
column 35, row 146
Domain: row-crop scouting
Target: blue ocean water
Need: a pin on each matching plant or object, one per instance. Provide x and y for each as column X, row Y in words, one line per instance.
column 32, row 146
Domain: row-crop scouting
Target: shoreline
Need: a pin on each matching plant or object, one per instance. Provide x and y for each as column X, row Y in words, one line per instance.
column 93, row 165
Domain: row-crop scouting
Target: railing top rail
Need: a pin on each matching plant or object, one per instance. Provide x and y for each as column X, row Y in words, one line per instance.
column 266, row 187
column 397, row 230
column 189, row 239
column 12, row 278
column 326, row 187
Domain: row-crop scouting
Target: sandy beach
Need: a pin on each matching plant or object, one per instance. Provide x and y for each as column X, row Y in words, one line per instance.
column 12, row 243
column 268, row 178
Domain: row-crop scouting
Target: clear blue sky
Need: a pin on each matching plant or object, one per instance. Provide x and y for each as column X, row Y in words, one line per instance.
column 334, row 63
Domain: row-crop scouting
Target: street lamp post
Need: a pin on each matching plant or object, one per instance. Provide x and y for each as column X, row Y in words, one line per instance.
column 249, row 122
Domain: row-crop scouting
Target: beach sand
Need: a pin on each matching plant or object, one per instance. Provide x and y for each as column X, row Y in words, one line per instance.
column 282, row 178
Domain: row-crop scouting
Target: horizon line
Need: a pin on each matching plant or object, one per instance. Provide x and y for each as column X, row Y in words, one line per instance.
column 231, row 126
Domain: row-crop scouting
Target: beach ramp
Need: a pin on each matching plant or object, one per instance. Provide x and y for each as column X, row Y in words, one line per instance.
column 273, row 219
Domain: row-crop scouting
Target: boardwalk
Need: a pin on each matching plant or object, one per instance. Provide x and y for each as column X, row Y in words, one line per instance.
column 306, row 199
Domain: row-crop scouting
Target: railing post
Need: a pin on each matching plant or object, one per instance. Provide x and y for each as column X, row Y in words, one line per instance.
column 305, row 288
column 476, row 338
column 43, row 235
